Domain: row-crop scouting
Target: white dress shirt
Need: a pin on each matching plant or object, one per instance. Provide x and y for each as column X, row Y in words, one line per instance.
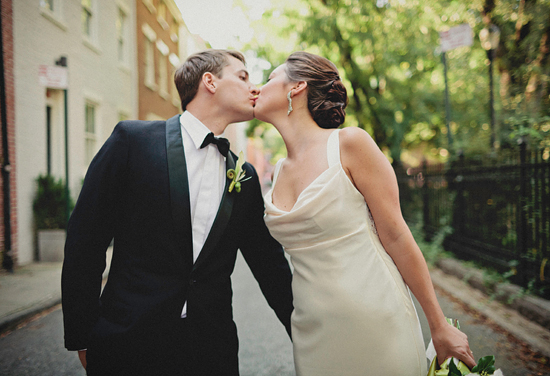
column 206, row 176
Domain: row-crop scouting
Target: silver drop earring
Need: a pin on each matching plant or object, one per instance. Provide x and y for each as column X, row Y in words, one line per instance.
column 288, row 96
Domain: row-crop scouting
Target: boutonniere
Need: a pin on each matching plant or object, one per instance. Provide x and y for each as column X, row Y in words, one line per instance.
column 237, row 175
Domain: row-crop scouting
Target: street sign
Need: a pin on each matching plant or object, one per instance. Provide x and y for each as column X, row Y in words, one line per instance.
column 456, row 37
column 53, row 77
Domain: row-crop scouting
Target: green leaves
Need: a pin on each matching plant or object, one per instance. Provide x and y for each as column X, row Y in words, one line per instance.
column 49, row 204
column 485, row 365
column 453, row 370
column 389, row 57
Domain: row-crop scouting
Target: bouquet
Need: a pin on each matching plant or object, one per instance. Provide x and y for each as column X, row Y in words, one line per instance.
column 454, row 367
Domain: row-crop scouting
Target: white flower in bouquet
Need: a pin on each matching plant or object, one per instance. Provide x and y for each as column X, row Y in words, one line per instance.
column 485, row 366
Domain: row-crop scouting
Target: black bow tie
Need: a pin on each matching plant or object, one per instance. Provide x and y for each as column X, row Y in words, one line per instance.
column 220, row 142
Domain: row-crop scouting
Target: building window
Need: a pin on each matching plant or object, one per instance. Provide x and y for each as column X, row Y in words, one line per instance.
column 48, row 4
column 174, row 30
column 87, row 17
column 174, row 63
column 150, row 6
column 161, row 15
column 52, row 10
column 163, row 75
column 149, row 64
column 121, row 25
column 163, row 68
column 149, row 56
column 90, row 136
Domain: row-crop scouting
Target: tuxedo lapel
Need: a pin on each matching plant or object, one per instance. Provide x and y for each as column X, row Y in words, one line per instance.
column 179, row 186
column 222, row 218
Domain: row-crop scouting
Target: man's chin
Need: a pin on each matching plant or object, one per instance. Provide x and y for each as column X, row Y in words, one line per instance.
column 258, row 115
column 246, row 117
column 250, row 115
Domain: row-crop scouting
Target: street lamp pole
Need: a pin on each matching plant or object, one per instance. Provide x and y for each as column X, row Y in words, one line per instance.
column 490, row 37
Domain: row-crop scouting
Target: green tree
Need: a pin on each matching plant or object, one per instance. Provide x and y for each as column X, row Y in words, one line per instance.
column 387, row 52
column 524, row 65
column 389, row 57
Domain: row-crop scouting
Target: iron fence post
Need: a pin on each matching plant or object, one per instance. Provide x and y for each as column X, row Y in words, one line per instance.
column 522, row 225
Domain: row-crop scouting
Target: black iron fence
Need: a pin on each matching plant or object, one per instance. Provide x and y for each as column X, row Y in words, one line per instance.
column 498, row 209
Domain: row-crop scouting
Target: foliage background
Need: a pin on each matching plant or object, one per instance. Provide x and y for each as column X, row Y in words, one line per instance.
column 389, row 57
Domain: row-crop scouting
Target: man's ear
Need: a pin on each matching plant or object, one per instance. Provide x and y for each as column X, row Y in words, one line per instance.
column 299, row 87
column 209, row 82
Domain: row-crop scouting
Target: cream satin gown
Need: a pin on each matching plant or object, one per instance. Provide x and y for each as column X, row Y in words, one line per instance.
column 353, row 313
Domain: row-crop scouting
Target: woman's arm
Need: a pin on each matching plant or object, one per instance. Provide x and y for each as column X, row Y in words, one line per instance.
column 372, row 174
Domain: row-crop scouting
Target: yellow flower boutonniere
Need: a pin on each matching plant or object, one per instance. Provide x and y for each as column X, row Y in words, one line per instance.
column 237, row 175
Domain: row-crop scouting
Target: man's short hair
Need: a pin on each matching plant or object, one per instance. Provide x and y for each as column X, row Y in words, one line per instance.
column 189, row 75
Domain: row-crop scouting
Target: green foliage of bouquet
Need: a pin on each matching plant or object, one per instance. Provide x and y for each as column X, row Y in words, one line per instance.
column 454, row 367
column 485, row 366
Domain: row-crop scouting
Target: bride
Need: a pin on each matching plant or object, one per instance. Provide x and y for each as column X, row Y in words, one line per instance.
column 334, row 206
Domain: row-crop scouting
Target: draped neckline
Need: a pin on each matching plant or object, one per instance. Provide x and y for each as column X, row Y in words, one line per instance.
column 300, row 196
column 332, row 162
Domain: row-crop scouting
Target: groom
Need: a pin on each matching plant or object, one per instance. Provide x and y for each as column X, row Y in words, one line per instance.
column 160, row 189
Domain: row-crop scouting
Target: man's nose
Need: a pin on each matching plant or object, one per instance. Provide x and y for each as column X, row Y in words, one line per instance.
column 254, row 90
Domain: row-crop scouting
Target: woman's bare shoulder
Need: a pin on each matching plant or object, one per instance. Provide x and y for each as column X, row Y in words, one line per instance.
column 355, row 140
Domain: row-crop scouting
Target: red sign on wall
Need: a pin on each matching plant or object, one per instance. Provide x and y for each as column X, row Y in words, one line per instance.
column 53, row 77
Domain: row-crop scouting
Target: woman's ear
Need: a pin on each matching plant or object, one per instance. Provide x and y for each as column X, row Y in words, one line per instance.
column 209, row 82
column 300, row 87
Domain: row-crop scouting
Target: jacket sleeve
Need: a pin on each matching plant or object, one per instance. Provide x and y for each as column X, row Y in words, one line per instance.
column 265, row 256
column 89, row 232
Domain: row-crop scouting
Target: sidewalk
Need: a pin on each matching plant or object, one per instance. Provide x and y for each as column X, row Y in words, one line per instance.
column 459, row 282
column 29, row 290
column 36, row 287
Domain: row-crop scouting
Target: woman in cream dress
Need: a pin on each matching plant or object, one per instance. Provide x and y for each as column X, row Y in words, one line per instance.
column 334, row 206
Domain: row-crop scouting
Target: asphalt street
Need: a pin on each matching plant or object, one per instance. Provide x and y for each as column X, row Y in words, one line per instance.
column 265, row 349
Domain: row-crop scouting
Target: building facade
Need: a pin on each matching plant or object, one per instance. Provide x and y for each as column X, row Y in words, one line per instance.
column 8, row 194
column 159, row 28
column 73, row 70
column 87, row 47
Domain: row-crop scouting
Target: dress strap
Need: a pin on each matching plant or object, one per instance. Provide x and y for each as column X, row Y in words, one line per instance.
column 276, row 171
column 333, row 148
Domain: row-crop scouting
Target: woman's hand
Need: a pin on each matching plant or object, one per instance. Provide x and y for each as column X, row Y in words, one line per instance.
column 82, row 357
column 450, row 342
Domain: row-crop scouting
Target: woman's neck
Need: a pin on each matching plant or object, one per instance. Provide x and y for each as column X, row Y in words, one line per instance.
column 298, row 133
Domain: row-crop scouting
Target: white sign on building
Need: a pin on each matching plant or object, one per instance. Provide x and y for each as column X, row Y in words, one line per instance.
column 456, row 37
column 53, row 77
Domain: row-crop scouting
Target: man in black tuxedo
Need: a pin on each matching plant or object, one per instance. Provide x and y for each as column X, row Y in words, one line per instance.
column 160, row 190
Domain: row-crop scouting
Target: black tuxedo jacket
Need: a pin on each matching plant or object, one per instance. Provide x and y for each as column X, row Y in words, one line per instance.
column 136, row 192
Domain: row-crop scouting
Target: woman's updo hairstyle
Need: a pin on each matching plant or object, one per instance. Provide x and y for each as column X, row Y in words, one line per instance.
column 326, row 95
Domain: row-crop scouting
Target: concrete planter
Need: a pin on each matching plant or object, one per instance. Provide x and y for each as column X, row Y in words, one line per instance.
column 50, row 245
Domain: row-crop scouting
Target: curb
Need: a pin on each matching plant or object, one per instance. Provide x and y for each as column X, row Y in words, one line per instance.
column 532, row 307
column 12, row 320
column 527, row 318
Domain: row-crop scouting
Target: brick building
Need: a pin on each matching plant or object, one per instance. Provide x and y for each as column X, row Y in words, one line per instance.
column 8, row 195
column 159, row 28
column 77, row 68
